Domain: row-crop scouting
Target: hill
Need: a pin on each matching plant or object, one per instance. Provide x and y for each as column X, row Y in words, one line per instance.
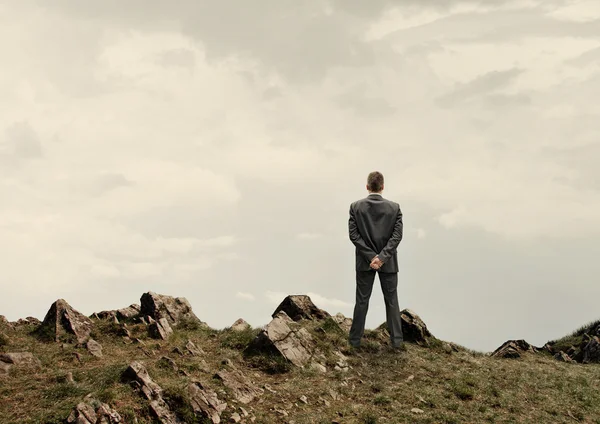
column 158, row 362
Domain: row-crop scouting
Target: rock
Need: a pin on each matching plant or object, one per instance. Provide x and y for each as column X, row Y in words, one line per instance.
column 299, row 307
column 417, row 410
column 562, row 356
column 240, row 325
column 235, row 418
column 173, row 309
column 69, row 378
column 591, row 351
column 343, row 322
column 296, row 345
column 167, row 362
column 160, row 329
column 136, row 372
column 318, row 367
column 4, row 368
column 192, row 349
column 513, row 349
column 205, row 402
column 94, row 348
column 3, row 320
column 123, row 314
column 304, row 399
column 243, row 390
column 19, row 358
column 413, row 328
column 62, row 319
column 84, row 413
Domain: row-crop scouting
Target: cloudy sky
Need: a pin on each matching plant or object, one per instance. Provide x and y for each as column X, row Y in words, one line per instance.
column 211, row 150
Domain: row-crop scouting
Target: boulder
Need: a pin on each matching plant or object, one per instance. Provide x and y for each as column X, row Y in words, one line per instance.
column 4, row 368
column 205, row 402
column 283, row 336
column 299, row 307
column 413, row 328
column 94, row 348
column 19, row 358
column 173, row 309
column 160, row 329
column 192, row 349
column 591, row 351
column 243, row 390
column 513, row 349
column 138, row 375
column 344, row 322
column 62, row 320
column 562, row 356
column 240, row 325
column 85, row 413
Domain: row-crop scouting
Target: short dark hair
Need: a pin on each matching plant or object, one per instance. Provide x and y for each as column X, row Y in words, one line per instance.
column 375, row 181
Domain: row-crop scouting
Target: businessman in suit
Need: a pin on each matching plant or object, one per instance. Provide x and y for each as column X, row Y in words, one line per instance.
column 375, row 228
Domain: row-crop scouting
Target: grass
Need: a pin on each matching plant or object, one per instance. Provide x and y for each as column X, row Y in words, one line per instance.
column 449, row 386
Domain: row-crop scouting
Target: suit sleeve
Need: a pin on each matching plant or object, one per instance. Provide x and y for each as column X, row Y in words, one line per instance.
column 387, row 252
column 357, row 240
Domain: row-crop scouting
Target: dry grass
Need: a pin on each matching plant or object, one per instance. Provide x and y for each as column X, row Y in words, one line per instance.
column 457, row 387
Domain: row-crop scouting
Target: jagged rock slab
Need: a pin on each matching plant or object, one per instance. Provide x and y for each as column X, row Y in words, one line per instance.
column 344, row 322
column 413, row 328
column 192, row 349
column 85, row 413
column 160, row 329
column 240, row 325
column 94, row 348
column 205, row 402
column 136, row 372
column 243, row 390
column 299, row 307
column 174, row 309
column 294, row 344
column 62, row 319
column 591, row 351
column 122, row 314
column 513, row 349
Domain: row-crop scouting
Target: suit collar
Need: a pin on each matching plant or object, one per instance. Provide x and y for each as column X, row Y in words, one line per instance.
column 375, row 195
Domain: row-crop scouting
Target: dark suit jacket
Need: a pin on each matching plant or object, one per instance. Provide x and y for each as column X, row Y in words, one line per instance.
column 375, row 228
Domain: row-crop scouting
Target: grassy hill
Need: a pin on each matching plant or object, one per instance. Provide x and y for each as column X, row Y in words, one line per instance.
column 438, row 383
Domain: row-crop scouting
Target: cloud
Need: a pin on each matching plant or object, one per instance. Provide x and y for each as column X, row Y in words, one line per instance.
column 324, row 302
column 308, row 236
column 22, row 141
column 483, row 84
column 246, row 296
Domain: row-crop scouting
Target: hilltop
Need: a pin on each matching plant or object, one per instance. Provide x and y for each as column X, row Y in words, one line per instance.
column 156, row 361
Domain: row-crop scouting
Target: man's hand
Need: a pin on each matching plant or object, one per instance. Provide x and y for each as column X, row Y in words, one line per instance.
column 376, row 263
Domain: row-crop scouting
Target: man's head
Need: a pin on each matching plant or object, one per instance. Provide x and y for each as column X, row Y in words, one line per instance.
column 375, row 182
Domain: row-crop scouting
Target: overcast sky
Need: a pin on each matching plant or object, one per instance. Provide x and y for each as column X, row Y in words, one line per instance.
column 211, row 150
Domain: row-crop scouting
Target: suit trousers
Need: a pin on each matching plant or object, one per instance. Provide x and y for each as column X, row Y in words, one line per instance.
column 364, row 288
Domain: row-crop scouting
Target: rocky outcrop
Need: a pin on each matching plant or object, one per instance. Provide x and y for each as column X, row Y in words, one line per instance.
column 123, row 314
column 591, row 351
column 137, row 374
column 240, row 325
column 86, row 413
column 282, row 335
column 62, row 320
column 562, row 356
column 205, row 402
column 299, row 307
column 159, row 329
column 173, row 309
column 192, row 349
column 344, row 322
column 243, row 390
column 514, row 349
column 413, row 328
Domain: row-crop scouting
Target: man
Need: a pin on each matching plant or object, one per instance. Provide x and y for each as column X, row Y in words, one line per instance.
column 375, row 228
